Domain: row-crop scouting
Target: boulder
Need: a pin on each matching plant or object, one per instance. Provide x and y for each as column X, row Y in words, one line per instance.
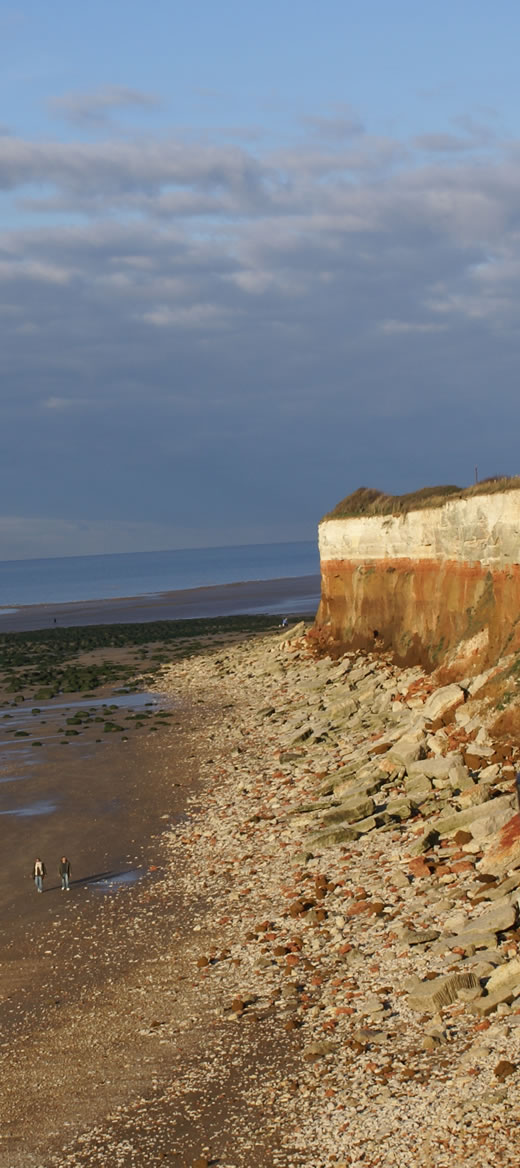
column 508, row 972
column 435, row 768
column 499, row 917
column 418, row 787
column 423, row 844
column 292, row 633
column 359, row 786
column 400, row 809
column 442, row 702
column 460, row 778
column 504, row 850
column 417, row 936
column 405, row 752
column 331, row 836
column 356, row 807
column 319, row 1049
column 362, row 826
column 482, row 820
column 502, row 987
column 428, row 997
column 469, row 940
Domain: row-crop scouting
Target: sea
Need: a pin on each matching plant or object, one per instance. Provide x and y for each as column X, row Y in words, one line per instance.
column 73, row 579
column 277, row 578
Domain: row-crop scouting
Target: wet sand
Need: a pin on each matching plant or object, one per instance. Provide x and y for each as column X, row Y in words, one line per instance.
column 93, row 984
column 299, row 594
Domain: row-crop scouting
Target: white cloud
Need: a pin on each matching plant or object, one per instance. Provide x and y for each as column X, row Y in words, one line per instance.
column 398, row 327
column 95, row 109
column 191, row 292
column 196, row 317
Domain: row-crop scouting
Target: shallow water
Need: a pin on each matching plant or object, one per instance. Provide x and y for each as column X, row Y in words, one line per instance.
column 18, row 756
column 130, row 701
column 39, row 807
column 28, row 718
column 81, row 578
column 116, row 880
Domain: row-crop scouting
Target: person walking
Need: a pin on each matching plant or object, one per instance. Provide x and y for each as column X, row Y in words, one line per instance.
column 38, row 873
column 64, row 871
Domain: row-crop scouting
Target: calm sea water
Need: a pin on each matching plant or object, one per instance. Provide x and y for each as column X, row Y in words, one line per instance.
column 79, row 578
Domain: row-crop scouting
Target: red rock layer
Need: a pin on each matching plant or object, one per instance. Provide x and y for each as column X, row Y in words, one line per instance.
column 419, row 609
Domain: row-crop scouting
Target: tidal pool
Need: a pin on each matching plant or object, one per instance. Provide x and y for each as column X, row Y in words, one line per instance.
column 116, row 880
column 39, row 807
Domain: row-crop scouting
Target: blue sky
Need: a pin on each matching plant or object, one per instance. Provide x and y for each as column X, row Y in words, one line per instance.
column 251, row 257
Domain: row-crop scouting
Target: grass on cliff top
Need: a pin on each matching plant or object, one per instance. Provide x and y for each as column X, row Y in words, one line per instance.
column 369, row 501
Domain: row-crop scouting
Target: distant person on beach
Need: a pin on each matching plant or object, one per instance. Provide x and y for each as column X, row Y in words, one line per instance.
column 64, row 871
column 38, row 873
column 284, row 623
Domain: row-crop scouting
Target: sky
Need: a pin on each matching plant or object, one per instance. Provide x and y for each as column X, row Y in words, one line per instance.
column 252, row 257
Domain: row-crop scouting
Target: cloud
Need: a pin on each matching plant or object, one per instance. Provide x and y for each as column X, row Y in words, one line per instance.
column 443, row 143
column 398, row 327
column 211, row 334
column 38, row 537
column 114, row 172
column 66, row 403
column 197, row 316
column 344, row 124
column 91, row 110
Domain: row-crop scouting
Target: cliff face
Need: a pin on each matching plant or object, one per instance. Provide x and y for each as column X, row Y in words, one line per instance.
column 425, row 580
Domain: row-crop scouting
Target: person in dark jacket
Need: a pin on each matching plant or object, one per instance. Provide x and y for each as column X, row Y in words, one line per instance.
column 64, row 871
column 38, row 873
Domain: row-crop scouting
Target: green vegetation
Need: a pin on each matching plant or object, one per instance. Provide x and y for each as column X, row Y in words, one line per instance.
column 46, row 660
column 369, row 501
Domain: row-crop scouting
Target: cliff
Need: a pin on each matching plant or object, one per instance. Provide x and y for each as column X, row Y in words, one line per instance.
column 420, row 582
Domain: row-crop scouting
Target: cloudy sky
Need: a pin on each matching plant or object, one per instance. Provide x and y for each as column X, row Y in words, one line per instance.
column 252, row 256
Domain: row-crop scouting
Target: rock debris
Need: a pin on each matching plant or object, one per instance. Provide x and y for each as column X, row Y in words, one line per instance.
column 344, row 985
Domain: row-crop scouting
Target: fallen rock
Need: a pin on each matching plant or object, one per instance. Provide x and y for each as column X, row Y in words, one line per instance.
column 435, row 768
column 417, row 936
column 331, row 836
column 418, row 788
column 502, row 987
column 503, row 1069
column 292, row 633
column 430, row 996
column 319, row 1049
column 499, row 917
column 357, row 807
column 469, row 941
column 401, row 809
column 367, row 1034
column 508, row 972
column 442, row 702
column 482, row 820
column 504, row 850
column 424, row 843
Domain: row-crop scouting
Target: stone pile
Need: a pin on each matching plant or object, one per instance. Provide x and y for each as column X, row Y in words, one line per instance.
column 357, row 840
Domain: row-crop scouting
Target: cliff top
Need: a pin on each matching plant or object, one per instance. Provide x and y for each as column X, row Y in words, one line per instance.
column 369, row 501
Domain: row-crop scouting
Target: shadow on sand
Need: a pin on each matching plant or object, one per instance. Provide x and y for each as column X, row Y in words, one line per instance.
column 106, row 881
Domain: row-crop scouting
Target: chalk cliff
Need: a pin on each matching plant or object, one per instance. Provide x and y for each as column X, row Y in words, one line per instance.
column 425, row 580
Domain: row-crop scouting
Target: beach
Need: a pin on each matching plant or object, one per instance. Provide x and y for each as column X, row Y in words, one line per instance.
column 72, row 963
column 298, row 594
column 266, row 993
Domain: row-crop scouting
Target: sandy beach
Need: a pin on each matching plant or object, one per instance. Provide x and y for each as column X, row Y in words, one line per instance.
column 298, row 594
column 300, row 980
